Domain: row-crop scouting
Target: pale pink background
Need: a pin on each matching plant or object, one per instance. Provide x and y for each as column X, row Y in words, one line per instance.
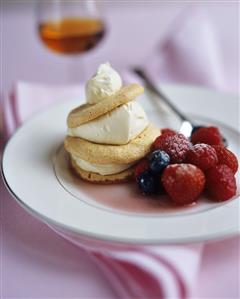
column 35, row 262
column 133, row 30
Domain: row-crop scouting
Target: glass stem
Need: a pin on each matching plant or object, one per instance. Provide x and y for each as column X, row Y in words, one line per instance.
column 77, row 70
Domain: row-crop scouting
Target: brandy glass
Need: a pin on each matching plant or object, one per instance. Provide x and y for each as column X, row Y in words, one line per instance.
column 69, row 27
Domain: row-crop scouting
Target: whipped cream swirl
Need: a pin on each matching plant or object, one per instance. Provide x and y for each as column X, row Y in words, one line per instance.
column 104, row 83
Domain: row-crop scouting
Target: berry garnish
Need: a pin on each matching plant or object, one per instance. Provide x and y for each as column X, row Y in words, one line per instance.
column 158, row 160
column 176, row 146
column 159, row 141
column 202, row 155
column 224, row 141
column 195, row 128
column 168, row 131
column 227, row 157
column 208, row 135
column 141, row 167
column 221, row 183
column 183, row 182
column 148, row 183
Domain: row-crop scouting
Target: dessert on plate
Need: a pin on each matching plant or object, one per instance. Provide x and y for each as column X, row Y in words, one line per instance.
column 110, row 140
column 110, row 133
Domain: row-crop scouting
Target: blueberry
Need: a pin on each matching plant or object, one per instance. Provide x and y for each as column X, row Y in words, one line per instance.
column 158, row 160
column 224, row 141
column 148, row 183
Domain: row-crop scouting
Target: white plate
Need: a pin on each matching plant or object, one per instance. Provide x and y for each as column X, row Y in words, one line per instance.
column 35, row 170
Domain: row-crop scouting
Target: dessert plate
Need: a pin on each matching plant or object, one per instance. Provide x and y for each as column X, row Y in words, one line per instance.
column 36, row 172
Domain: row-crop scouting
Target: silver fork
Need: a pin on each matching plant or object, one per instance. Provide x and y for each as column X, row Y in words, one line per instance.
column 187, row 126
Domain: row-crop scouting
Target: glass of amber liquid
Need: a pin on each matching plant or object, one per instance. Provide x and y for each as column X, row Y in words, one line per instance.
column 69, row 26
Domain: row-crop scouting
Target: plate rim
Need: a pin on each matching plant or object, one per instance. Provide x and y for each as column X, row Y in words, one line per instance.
column 50, row 222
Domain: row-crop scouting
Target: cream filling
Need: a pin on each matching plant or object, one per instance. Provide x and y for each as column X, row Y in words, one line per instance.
column 119, row 126
column 103, row 169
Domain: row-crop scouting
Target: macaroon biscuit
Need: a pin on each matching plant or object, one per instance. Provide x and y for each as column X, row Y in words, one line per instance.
column 87, row 112
column 117, row 154
column 93, row 177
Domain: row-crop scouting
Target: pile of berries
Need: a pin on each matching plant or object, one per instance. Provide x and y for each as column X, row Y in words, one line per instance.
column 185, row 168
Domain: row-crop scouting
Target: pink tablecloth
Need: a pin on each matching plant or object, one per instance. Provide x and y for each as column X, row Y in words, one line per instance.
column 35, row 262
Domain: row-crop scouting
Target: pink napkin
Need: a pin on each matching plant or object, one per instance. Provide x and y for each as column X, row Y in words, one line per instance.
column 27, row 99
column 189, row 54
column 167, row 271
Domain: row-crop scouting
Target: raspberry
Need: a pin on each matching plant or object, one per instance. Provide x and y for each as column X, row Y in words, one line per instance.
column 176, row 146
column 208, row 135
column 195, row 128
column 226, row 157
column 202, row 155
column 168, row 131
column 141, row 167
column 183, row 182
column 221, row 183
column 159, row 141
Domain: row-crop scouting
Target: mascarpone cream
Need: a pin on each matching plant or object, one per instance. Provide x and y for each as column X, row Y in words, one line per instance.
column 103, row 84
column 119, row 126
column 103, row 169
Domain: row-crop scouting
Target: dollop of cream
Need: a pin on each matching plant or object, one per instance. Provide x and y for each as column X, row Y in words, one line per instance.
column 119, row 126
column 104, row 83
column 103, row 169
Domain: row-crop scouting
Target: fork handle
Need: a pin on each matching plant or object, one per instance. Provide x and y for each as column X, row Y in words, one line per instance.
column 150, row 85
